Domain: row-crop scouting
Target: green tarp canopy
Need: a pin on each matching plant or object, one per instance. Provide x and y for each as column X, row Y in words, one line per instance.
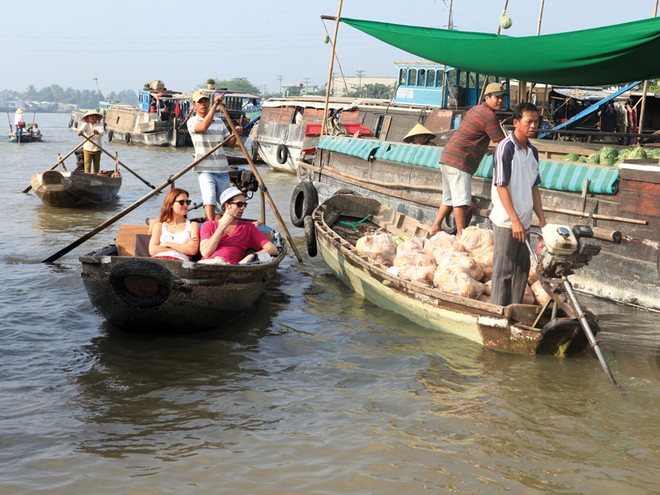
column 606, row 55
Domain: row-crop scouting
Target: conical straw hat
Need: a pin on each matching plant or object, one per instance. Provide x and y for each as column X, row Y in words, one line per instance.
column 418, row 130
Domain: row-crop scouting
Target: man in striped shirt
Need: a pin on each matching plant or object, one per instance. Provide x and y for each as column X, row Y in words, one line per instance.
column 461, row 156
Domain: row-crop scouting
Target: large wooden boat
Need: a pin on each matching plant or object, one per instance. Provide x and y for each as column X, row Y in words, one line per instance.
column 621, row 203
column 518, row 328
column 157, row 120
column 290, row 128
column 76, row 189
column 138, row 293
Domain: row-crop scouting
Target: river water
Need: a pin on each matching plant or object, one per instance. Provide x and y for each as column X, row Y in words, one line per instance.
column 315, row 392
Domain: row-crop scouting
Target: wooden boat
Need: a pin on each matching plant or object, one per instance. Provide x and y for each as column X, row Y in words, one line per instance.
column 517, row 328
column 24, row 136
column 76, row 189
column 621, row 203
column 138, row 293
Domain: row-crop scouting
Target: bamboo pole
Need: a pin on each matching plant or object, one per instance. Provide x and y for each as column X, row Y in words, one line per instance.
column 332, row 59
column 646, row 86
column 485, row 83
column 341, row 70
column 262, row 186
column 116, row 159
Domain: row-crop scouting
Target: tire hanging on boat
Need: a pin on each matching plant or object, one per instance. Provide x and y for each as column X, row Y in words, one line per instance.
column 282, row 154
column 304, row 201
column 127, row 138
column 110, row 136
column 141, row 283
column 310, row 236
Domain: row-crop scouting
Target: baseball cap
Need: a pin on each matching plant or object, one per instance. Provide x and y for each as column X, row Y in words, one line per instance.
column 229, row 193
column 198, row 95
column 495, row 89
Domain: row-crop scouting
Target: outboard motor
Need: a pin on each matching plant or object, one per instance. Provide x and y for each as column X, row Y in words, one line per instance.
column 563, row 250
column 245, row 180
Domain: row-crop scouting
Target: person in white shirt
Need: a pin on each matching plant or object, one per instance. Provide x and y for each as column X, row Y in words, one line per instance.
column 515, row 195
column 92, row 126
column 206, row 133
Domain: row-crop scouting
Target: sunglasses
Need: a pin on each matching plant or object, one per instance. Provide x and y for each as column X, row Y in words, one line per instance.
column 240, row 204
column 183, row 202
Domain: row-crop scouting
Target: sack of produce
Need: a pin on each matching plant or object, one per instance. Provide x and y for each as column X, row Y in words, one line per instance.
column 484, row 257
column 460, row 262
column 380, row 247
column 458, row 283
column 414, row 245
column 413, row 259
column 441, row 243
column 422, row 274
column 540, row 294
column 474, row 238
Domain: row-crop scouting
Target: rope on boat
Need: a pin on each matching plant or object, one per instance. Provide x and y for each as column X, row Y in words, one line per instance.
column 354, row 225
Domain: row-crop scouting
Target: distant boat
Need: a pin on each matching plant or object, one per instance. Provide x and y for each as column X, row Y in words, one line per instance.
column 157, row 120
column 28, row 135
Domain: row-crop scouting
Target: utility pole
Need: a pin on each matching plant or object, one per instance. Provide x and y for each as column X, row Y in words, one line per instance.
column 306, row 85
column 265, row 90
column 359, row 73
column 280, row 78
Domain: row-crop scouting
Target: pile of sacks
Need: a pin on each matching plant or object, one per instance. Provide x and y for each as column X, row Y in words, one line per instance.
column 460, row 266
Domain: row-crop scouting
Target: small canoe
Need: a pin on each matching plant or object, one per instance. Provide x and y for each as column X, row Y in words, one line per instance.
column 517, row 328
column 158, row 296
column 75, row 189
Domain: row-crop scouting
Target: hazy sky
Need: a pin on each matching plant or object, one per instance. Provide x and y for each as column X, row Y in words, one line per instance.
column 128, row 43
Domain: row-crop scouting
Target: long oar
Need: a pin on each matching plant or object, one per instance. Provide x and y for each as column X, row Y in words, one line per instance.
column 122, row 213
column 582, row 319
column 126, row 167
column 262, row 186
column 61, row 160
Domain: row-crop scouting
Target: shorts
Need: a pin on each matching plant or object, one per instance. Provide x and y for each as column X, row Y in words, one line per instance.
column 211, row 185
column 456, row 186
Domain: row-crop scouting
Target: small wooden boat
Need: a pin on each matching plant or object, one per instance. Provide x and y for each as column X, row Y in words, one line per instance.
column 517, row 328
column 142, row 294
column 75, row 189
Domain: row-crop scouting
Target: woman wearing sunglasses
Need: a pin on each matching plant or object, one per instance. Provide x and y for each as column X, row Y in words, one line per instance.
column 173, row 236
column 228, row 239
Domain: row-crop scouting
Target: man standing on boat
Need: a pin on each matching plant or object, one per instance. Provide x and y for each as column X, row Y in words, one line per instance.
column 206, row 133
column 461, row 156
column 515, row 195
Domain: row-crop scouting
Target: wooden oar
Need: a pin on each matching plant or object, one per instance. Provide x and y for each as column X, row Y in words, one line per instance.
column 125, row 211
column 61, row 160
column 262, row 186
column 125, row 166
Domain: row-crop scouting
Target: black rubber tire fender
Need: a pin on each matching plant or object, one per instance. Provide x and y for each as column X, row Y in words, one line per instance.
column 141, row 283
column 71, row 121
column 282, row 154
column 127, row 138
column 304, row 201
column 110, row 136
column 310, row 236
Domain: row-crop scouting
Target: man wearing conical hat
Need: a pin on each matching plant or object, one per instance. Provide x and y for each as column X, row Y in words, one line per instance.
column 463, row 152
column 419, row 135
column 92, row 126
